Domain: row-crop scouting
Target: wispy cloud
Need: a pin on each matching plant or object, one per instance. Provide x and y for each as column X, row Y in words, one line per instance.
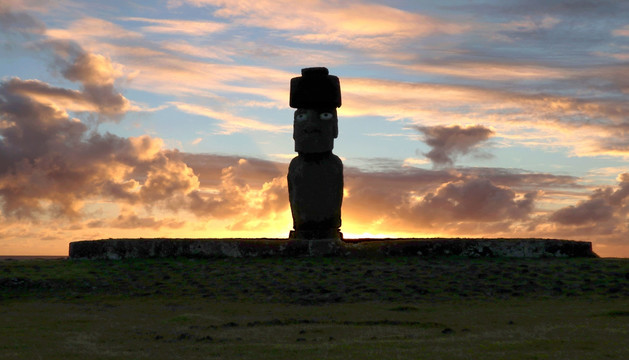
column 623, row 31
column 92, row 28
column 228, row 122
column 187, row 27
column 208, row 52
column 491, row 70
column 351, row 23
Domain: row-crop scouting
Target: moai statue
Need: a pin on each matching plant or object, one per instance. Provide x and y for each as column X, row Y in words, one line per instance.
column 315, row 176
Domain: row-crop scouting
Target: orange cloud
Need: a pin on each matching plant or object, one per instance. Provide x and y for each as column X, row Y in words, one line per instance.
column 352, row 22
column 92, row 69
column 135, row 222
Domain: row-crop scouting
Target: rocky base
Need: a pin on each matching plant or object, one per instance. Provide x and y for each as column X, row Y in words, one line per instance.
column 330, row 234
column 115, row 249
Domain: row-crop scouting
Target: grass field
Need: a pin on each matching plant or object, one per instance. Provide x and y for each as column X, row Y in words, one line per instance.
column 315, row 308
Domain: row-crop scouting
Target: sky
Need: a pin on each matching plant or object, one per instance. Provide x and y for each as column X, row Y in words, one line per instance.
column 495, row 118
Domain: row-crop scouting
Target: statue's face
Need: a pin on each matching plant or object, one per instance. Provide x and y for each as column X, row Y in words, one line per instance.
column 314, row 130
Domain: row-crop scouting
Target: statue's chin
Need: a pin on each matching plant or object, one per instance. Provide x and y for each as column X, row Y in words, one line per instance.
column 314, row 146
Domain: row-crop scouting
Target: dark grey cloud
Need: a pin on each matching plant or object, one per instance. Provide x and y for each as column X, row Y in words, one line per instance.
column 411, row 199
column 477, row 200
column 580, row 8
column 96, row 73
column 605, row 206
column 523, row 180
column 104, row 100
column 19, row 22
column 52, row 164
column 449, row 142
column 48, row 157
column 450, row 201
column 210, row 168
column 590, row 211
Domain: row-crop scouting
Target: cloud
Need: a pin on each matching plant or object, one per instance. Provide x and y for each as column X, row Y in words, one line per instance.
column 87, row 28
column 92, row 69
column 590, row 211
column 209, row 52
column 507, row 94
column 351, row 23
column 187, row 27
column 474, row 200
column 96, row 73
column 103, row 99
column 248, row 198
column 604, row 205
column 169, row 74
column 623, row 31
column 247, row 190
column 52, row 163
column 449, row 142
column 452, row 202
column 448, row 71
column 133, row 221
column 489, row 70
column 588, row 125
column 531, row 24
column 19, row 22
column 228, row 122
column 252, row 171
column 500, row 92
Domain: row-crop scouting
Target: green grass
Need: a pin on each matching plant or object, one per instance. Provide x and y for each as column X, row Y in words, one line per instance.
column 315, row 308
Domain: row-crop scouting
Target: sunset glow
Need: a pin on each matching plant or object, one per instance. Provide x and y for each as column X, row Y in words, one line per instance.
column 124, row 119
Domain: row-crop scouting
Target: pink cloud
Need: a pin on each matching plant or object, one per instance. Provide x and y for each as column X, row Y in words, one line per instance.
column 352, row 23
column 187, row 27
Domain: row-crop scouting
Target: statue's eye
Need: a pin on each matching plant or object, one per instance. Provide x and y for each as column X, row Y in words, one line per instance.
column 326, row 116
column 301, row 117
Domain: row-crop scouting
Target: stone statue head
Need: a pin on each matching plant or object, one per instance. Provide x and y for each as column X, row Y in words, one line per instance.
column 316, row 95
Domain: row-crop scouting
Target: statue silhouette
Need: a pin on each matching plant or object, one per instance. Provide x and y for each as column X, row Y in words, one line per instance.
column 315, row 176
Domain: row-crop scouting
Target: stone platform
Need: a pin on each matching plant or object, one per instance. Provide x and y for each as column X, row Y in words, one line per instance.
column 115, row 249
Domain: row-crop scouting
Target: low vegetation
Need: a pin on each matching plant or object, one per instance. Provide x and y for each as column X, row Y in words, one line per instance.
column 315, row 308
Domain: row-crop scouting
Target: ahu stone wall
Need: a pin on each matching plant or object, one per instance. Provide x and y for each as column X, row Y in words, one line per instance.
column 115, row 249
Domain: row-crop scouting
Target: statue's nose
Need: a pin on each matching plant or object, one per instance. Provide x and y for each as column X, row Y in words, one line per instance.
column 312, row 130
column 311, row 126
